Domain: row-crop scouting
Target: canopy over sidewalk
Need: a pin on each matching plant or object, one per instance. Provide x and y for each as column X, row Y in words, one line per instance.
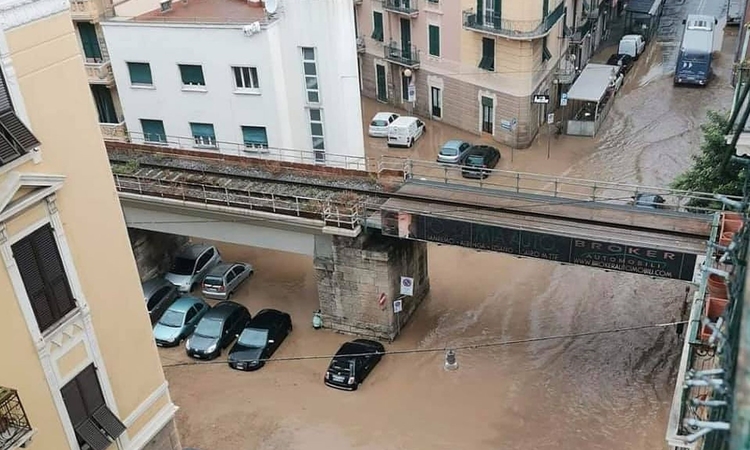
column 592, row 83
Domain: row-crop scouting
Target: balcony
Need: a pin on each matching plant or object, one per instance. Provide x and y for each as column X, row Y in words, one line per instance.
column 87, row 10
column 360, row 44
column 403, row 56
column 100, row 73
column 357, row 2
column 408, row 8
column 493, row 23
column 114, row 131
column 15, row 430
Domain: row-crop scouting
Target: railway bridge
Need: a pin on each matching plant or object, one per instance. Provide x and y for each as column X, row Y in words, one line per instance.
column 367, row 227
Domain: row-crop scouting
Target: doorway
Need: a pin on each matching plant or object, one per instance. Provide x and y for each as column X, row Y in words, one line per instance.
column 488, row 115
column 436, row 102
column 406, row 39
column 380, row 82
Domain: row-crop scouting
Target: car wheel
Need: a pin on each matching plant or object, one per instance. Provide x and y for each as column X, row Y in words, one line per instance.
column 411, row 142
column 192, row 287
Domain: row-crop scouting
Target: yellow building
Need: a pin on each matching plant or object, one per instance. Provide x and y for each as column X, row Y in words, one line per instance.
column 77, row 338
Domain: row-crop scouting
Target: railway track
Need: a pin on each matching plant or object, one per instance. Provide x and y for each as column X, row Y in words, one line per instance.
column 341, row 206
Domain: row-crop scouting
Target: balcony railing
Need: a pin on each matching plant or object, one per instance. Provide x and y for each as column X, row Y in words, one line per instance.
column 360, row 44
column 493, row 23
column 15, row 429
column 407, row 56
column 114, row 131
column 100, row 72
column 406, row 7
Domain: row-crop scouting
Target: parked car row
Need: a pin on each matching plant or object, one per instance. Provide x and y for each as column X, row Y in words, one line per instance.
column 473, row 159
column 400, row 131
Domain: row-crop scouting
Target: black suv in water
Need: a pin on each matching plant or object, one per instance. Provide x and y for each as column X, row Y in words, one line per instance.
column 217, row 329
column 478, row 158
column 352, row 363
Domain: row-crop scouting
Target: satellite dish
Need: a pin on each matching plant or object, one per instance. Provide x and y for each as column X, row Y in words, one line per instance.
column 272, row 6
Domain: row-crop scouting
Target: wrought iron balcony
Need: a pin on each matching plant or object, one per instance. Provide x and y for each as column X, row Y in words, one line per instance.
column 407, row 56
column 405, row 7
column 15, row 430
column 493, row 23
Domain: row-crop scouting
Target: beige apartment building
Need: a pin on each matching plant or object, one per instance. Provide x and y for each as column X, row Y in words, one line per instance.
column 475, row 64
column 82, row 371
column 87, row 16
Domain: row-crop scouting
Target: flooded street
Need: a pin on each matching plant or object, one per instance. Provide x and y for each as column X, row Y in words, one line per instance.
column 608, row 391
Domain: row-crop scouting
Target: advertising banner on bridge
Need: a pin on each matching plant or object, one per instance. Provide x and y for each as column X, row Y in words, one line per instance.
column 564, row 249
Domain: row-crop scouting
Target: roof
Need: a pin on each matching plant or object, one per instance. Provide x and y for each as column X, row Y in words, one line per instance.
column 149, row 286
column 592, row 83
column 219, row 269
column 403, row 120
column 643, row 6
column 219, row 11
column 453, row 143
column 222, row 310
column 383, row 115
column 265, row 318
column 193, row 251
column 182, row 304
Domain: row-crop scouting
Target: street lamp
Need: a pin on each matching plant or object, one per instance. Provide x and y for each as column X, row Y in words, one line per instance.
column 407, row 74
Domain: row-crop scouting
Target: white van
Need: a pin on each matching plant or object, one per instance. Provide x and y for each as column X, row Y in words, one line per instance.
column 632, row 44
column 404, row 131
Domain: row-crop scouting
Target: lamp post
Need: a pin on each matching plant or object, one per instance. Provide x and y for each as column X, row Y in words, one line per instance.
column 411, row 91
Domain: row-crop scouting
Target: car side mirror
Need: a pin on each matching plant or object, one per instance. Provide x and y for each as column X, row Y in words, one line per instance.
column 684, row 21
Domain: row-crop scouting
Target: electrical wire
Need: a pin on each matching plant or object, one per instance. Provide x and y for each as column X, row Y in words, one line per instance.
column 445, row 348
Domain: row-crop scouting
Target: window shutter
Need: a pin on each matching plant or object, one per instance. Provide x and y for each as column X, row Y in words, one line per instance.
column 5, row 103
column 107, row 420
column 15, row 138
column 202, row 130
column 377, row 29
column 23, row 252
column 104, row 104
column 480, row 12
column 153, row 130
column 74, row 403
column 89, row 40
column 53, row 272
column 434, row 40
column 255, row 136
column 90, row 433
column 486, row 101
column 140, row 73
column 90, row 391
column 192, row 74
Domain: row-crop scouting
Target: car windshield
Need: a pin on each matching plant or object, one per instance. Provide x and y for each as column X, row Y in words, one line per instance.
column 695, row 56
column 379, row 123
column 449, row 151
column 209, row 328
column 475, row 160
column 182, row 266
column 253, row 338
column 213, row 281
column 172, row 318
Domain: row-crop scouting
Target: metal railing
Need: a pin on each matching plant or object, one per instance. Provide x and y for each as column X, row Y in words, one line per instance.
column 492, row 22
column 610, row 193
column 360, row 43
column 255, row 151
column 406, row 7
column 340, row 214
column 404, row 55
column 15, row 429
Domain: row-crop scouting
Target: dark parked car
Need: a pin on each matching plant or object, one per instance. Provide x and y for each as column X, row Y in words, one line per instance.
column 260, row 339
column 158, row 294
column 623, row 60
column 217, row 329
column 649, row 201
column 352, row 363
column 478, row 158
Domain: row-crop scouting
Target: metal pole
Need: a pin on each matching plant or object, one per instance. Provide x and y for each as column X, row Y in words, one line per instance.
column 549, row 137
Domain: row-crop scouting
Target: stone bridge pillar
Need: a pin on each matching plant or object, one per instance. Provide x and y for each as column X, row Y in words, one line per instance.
column 353, row 273
column 153, row 251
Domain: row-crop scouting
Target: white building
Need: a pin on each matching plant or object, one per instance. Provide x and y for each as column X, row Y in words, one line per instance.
column 230, row 76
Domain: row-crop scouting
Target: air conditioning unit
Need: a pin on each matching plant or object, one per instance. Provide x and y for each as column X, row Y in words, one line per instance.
column 166, row 5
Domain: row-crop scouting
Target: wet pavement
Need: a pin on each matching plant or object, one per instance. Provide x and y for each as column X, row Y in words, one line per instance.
column 609, row 391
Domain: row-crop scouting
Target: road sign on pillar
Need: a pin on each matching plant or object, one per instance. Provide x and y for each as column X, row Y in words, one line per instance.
column 541, row 99
column 407, row 286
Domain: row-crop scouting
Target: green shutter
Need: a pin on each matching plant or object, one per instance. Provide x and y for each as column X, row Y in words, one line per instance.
column 192, row 74
column 488, row 54
column 434, row 40
column 377, row 26
column 545, row 8
column 202, row 130
column 255, row 136
column 480, row 12
column 496, row 20
column 89, row 40
column 486, row 101
column 140, row 73
column 153, row 130
column 546, row 55
column 104, row 104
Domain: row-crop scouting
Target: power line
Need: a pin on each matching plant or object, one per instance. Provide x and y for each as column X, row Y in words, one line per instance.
column 445, row 348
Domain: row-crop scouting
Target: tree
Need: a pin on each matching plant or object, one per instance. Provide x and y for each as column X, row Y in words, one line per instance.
column 713, row 170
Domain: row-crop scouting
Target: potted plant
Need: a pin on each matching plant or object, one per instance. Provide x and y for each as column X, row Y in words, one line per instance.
column 717, row 286
column 714, row 308
column 731, row 223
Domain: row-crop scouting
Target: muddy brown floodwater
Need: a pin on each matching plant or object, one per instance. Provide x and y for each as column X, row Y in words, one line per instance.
column 609, row 391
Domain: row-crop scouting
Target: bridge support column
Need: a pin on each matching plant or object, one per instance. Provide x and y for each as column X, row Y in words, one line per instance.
column 153, row 251
column 353, row 274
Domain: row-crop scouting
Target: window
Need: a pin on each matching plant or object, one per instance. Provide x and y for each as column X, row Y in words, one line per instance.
column 153, row 131
column 488, row 114
column 488, row 55
column 192, row 75
column 104, row 104
column 43, row 276
column 89, row 41
column 140, row 74
column 245, row 77
column 546, row 55
column 96, row 427
column 434, row 37
column 15, row 138
column 316, row 132
column 310, row 69
column 255, row 137
column 203, row 134
column 377, row 26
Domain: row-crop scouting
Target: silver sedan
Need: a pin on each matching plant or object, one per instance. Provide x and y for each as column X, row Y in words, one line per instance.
column 224, row 279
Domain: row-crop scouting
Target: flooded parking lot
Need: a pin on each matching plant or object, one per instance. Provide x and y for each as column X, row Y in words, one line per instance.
column 610, row 391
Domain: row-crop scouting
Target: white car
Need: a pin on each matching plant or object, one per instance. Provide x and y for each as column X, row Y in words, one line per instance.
column 632, row 44
column 191, row 265
column 379, row 124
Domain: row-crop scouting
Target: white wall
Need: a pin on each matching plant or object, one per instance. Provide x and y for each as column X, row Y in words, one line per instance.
column 327, row 25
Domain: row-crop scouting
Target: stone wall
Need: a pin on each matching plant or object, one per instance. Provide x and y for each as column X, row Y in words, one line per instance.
column 153, row 251
column 355, row 272
column 166, row 439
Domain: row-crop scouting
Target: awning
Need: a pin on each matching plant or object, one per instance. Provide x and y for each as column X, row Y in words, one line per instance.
column 643, row 6
column 592, row 83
